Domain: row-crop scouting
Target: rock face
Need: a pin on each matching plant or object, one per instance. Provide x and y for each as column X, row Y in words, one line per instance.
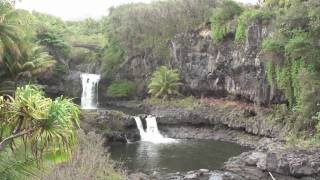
column 115, row 125
column 139, row 69
column 209, row 68
column 220, row 69
column 67, row 83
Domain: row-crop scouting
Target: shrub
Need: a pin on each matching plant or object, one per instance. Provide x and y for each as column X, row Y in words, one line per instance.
column 58, row 71
column 112, row 57
column 247, row 17
column 164, row 83
column 221, row 17
column 273, row 44
column 120, row 89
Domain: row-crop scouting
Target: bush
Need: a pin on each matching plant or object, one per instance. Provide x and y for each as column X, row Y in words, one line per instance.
column 221, row 17
column 59, row 70
column 273, row 44
column 247, row 17
column 164, row 83
column 120, row 89
column 113, row 55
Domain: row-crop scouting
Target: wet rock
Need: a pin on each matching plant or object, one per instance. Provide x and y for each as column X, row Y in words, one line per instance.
column 203, row 171
column 191, row 176
column 215, row 116
column 256, row 158
column 220, row 175
column 138, row 176
column 115, row 125
column 215, row 177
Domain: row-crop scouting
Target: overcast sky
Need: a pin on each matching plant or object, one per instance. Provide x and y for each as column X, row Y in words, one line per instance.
column 79, row 9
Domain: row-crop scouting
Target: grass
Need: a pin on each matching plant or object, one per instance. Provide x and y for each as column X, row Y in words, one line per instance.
column 90, row 161
column 189, row 102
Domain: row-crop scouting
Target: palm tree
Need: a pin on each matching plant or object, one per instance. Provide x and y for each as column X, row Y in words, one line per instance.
column 34, row 62
column 164, row 83
column 9, row 33
column 38, row 62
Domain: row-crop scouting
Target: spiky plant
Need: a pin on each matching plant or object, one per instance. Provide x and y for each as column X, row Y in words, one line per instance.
column 37, row 121
column 164, row 83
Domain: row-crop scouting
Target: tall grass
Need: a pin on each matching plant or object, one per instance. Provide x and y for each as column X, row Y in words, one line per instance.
column 90, row 161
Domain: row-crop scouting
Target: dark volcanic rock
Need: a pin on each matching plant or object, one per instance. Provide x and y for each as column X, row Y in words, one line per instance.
column 216, row 116
column 271, row 156
column 219, row 69
column 115, row 125
column 209, row 68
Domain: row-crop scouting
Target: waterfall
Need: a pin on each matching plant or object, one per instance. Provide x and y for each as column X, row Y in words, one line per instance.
column 151, row 134
column 89, row 98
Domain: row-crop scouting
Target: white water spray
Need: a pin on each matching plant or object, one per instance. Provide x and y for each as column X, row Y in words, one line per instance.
column 89, row 98
column 152, row 133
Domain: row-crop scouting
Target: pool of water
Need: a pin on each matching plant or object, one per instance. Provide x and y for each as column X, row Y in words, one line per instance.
column 183, row 156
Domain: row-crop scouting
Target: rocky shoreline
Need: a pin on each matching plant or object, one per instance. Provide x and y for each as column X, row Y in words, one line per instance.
column 269, row 156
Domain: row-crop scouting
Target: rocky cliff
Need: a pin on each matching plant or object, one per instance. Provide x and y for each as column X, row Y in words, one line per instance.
column 209, row 68
column 220, row 69
column 64, row 78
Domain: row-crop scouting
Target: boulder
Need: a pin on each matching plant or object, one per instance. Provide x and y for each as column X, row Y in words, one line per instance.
column 271, row 156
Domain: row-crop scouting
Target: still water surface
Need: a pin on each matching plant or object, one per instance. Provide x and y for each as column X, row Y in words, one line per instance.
column 183, row 156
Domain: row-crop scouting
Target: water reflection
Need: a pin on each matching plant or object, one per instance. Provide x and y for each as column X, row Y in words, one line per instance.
column 183, row 156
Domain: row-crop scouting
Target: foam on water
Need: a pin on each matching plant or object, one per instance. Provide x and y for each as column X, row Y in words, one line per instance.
column 151, row 134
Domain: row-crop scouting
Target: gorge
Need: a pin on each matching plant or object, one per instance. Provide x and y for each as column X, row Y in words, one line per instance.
column 171, row 89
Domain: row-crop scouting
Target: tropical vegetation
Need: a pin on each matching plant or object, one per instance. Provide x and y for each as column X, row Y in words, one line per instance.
column 40, row 132
column 164, row 83
column 120, row 89
column 37, row 124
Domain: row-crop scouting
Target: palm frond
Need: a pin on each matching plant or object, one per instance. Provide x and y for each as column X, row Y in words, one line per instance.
column 164, row 83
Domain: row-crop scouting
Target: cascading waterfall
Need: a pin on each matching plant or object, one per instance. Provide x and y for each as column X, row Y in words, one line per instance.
column 151, row 134
column 89, row 98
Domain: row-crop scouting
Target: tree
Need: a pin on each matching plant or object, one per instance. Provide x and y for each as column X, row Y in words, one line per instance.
column 32, row 63
column 164, row 83
column 37, row 122
column 9, row 38
column 120, row 89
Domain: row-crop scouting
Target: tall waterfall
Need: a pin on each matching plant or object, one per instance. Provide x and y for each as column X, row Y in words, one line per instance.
column 151, row 134
column 89, row 98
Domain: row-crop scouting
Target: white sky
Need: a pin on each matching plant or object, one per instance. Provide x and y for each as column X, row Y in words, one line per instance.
column 79, row 9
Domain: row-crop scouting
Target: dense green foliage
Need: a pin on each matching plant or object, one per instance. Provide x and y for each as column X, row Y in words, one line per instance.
column 21, row 57
column 145, row 29
column 222, row 17
column 164, row 83
column 120, row 89
column 294, row 54
column 247, row 17
column 30, row 122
